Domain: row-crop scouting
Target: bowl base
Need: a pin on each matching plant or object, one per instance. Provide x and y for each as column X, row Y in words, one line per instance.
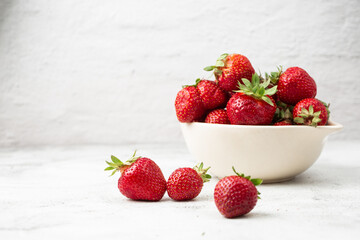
column 278, row 180
column 269, row 181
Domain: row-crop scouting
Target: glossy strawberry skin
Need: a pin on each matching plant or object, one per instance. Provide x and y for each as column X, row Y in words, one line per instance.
column 246, row 110
column 294, row 85
column 142, row 180
column 317, row 105
column 283, row 123
column 217, row 116
column 236, row 67
column 184, row 184
column 188, row 105
column 235, row 196
column 211, row 94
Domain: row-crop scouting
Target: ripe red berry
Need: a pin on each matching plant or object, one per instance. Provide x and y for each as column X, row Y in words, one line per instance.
column 211, row 94
column 218, row 116
column 186, row 183
column 311, row 111
column 294, row 85
column 246, row 110
column 141, row 178
column 230, row 69
column 188, row 105
column 252, row 105
column 236, row 195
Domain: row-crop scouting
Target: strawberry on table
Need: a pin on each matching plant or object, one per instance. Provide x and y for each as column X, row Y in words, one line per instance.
column 217, row 116
column 186, row 183
column 141, row 178
column 311, row 111
column 294, row 85
column 230, row 69
column 236, row 195
column 253, row 104
column 188, row 105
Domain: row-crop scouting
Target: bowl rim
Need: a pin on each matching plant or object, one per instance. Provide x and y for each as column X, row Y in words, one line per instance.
column 331, row 125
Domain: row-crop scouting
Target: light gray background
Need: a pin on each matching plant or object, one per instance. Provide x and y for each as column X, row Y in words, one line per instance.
column 107, row 72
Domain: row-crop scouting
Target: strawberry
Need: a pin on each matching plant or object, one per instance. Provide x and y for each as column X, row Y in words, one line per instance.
column 283, row 123
column 188, row 105
column 218, row 116
column 211, row 94
column 294, row 85
column 141, row 178
column 236, row 195
column 252, row 105
column 231, row 68
column 311, row 111
column 186, row 183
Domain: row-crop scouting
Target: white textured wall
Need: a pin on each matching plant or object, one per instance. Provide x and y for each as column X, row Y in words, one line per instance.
column 79, row 72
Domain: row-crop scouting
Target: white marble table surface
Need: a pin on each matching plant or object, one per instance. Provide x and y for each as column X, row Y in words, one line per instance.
column 63, row 193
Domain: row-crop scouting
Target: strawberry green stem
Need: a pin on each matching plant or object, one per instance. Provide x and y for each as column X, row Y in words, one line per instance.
column 274, row 76
column 308, row 117
column 203, row 172
column 220, row 63
column 117, row 165
column 256, row 89
column 255, row 181
column 193, row 85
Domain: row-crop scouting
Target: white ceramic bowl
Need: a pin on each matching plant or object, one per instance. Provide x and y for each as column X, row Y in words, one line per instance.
column 273, row 153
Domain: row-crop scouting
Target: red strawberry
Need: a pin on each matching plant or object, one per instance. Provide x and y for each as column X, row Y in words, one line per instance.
column 236, row 195
column 283, row 123
column 311, row 111
column 211, row 94
column 294, row 85
column 141, row 178
column 217, row 116
column 252, row 105
column 186, row 183
column 188, row 104
column 231, row 68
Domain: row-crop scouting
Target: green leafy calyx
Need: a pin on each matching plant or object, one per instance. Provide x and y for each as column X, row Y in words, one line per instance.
column 117, row 165
column 203, row 172
column 274, row 76
column 283, row 112
column 220, row 63
column 308, row 117
column 193, row 85
column 256, row 89
column 255, row 181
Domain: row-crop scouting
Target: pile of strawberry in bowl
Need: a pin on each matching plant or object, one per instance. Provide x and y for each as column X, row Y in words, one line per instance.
column 270, row 126
column 242, row 97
